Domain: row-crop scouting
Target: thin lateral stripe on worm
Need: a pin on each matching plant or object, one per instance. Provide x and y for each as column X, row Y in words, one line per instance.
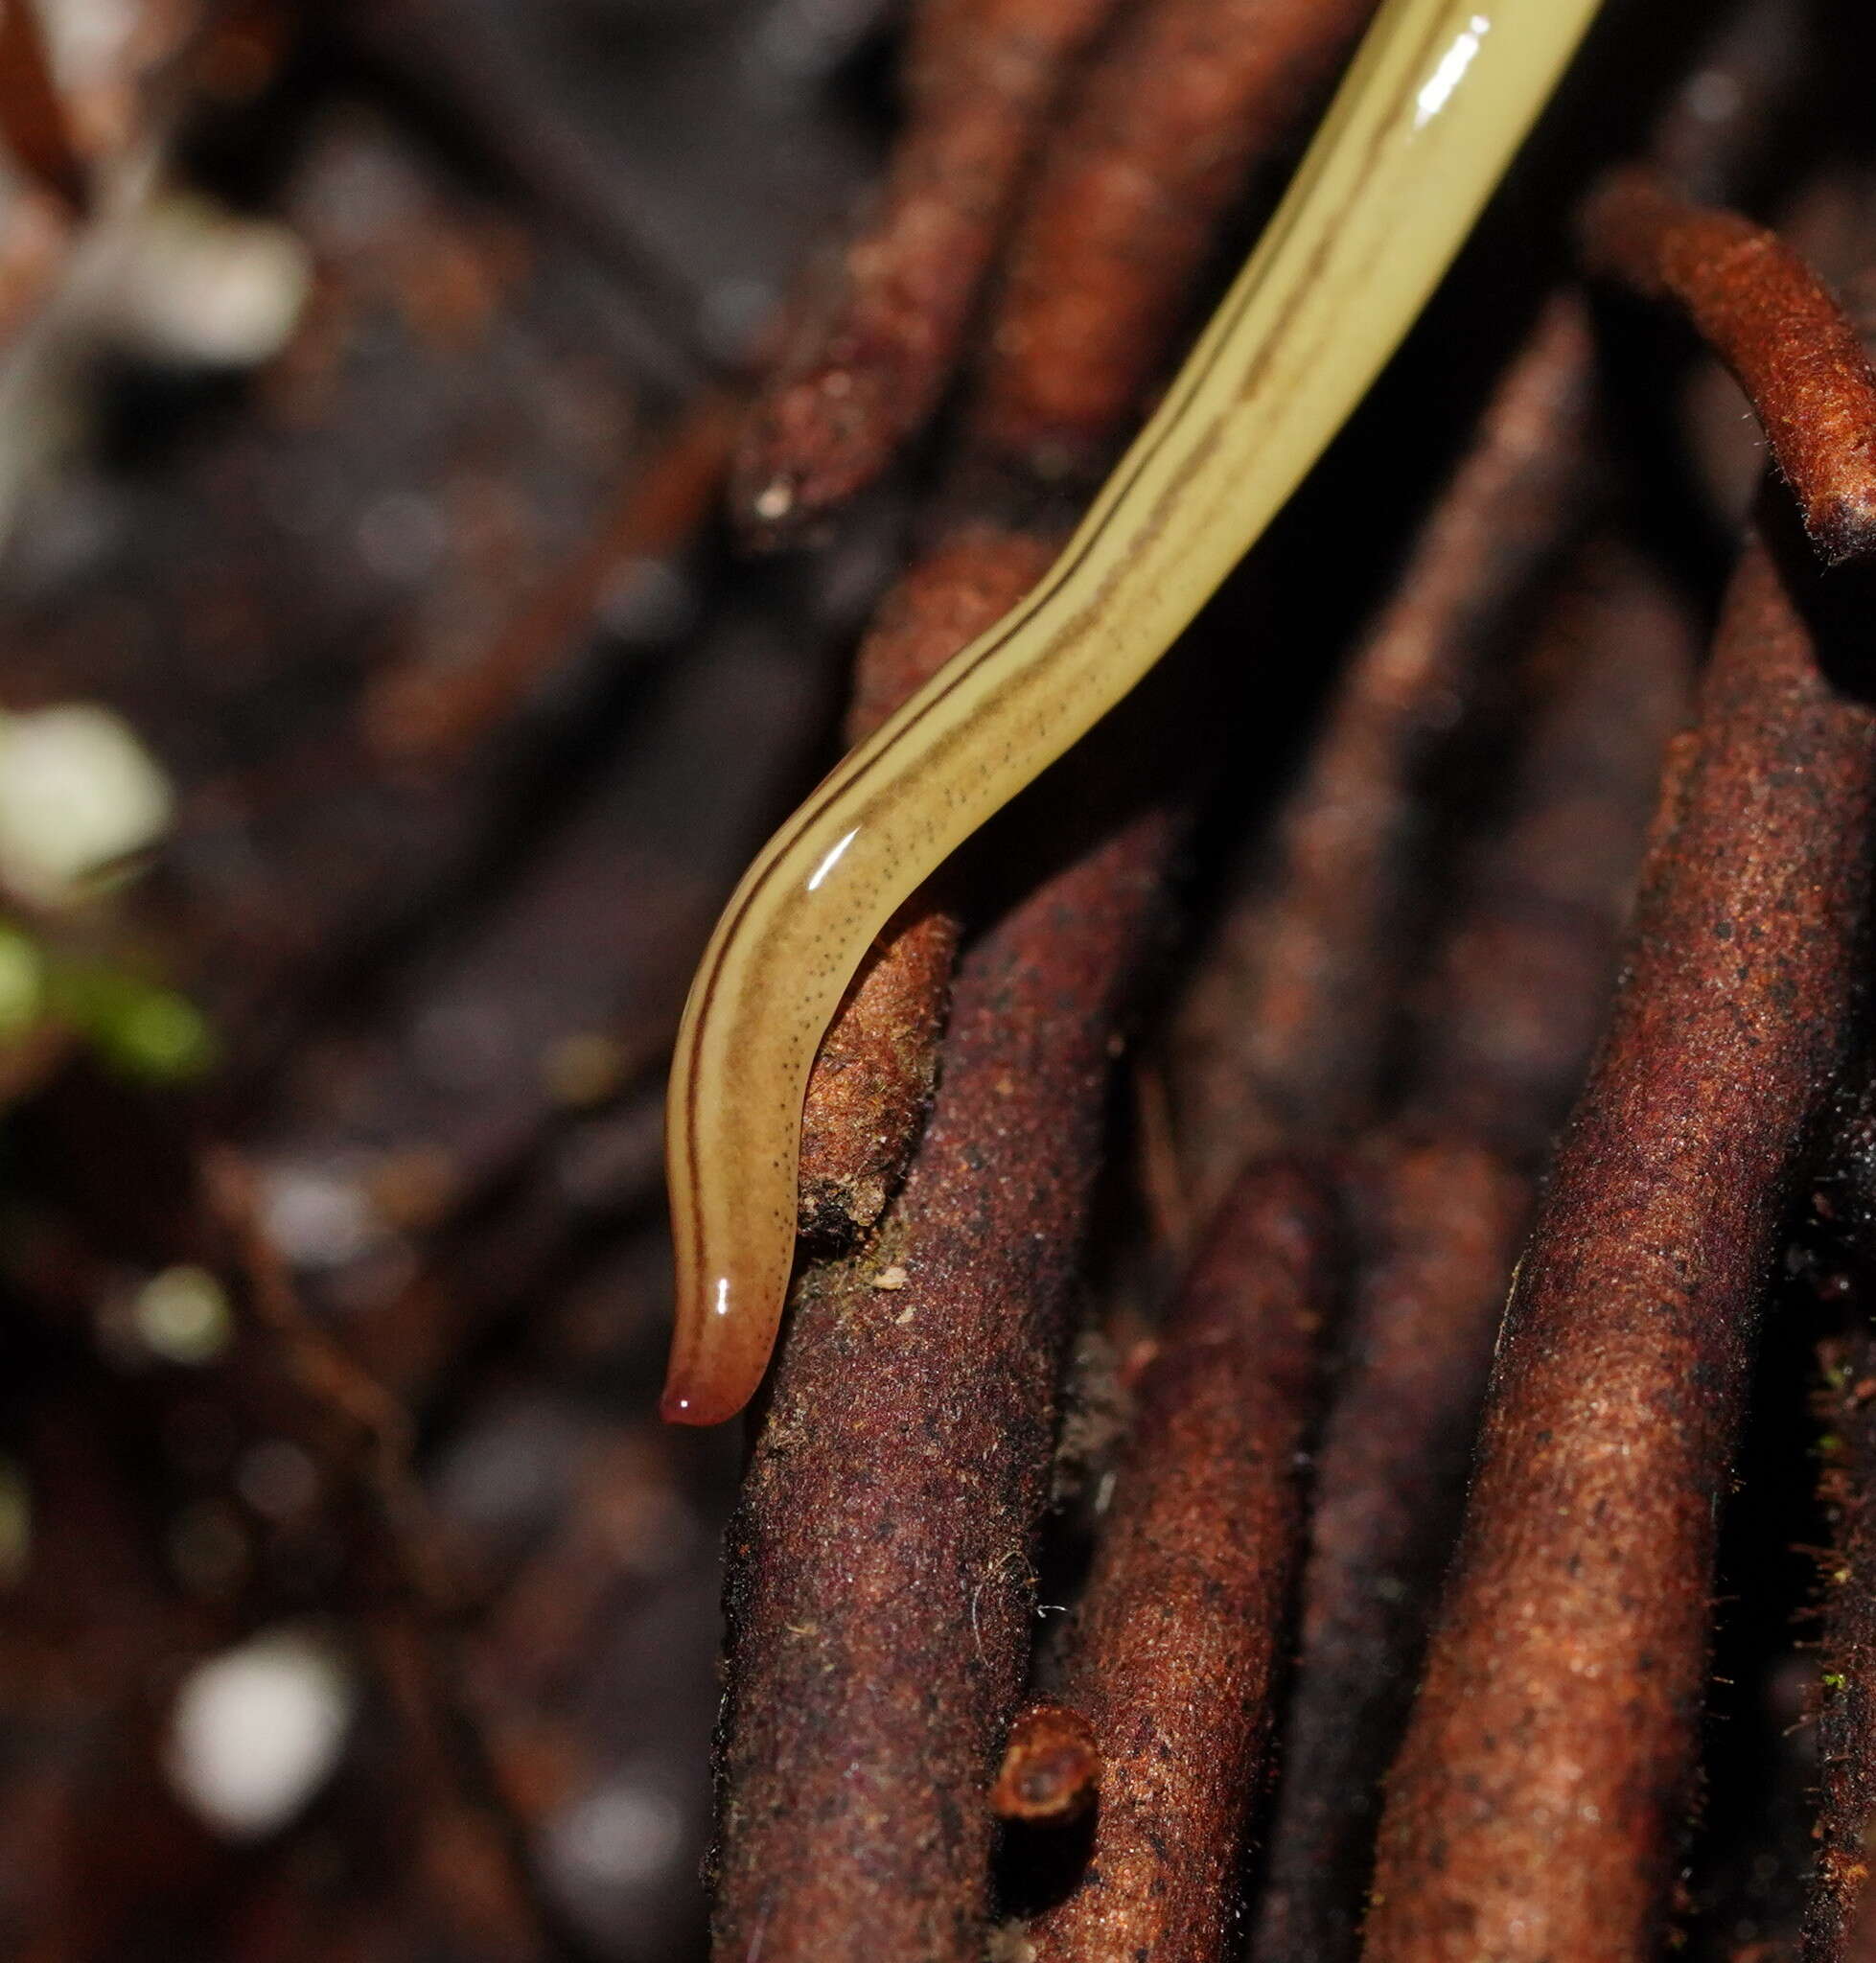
column 1094, row 534
column 1377, row 208
column 1167, row 427
column 1188, row 384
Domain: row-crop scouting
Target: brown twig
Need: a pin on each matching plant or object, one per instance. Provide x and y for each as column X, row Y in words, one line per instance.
column 878, row 1588
column 1186, row 98
column 1770, row 321
column 1437, row 1223
column 1535, row 1807
column 1516, row 994
column 1440, row 1200
column 872, row 1075
column 869, row 367
column 1052, row 1766
column 1176, row 1642
column 1190, row 132
column 1280, row 1036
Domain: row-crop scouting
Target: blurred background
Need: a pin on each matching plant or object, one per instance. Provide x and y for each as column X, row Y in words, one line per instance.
column 358, row 832
column 386, row 709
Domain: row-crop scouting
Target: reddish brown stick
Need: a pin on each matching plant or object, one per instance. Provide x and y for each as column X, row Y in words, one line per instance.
column 1050, row 1769
column 1438, row 1223
column 1280, row 1037
column 878, row 1590
column 872, row 1075
column 1187, row 96
column 1769, row 317
column 1177, row 1637
column 866, row 373
column 1192, row 128
column 1519, row 987
column 1534, row 1808
column 1441, row 1201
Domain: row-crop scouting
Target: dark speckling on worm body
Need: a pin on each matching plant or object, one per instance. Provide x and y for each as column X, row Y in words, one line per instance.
column 1437, row 100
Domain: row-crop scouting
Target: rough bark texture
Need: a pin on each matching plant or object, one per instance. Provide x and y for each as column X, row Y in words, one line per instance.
column 1437, row 1224
column 905, row 1457
column 872, row 1075
column 1175, row 1651
column 1536, row 1804
column 874, row 356
column 1186, row 99
column 1769, row 317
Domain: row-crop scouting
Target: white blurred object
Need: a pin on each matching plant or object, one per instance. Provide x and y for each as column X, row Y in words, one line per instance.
column 88, row 39
column 166, row 274
column 77, row 793
column 258, row 1730
column 624, row 1835
column 182, row 1315
column 191, row 281
column 319, row 1216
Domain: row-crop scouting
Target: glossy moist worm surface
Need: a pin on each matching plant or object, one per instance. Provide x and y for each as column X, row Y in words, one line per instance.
column 1439, row 97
